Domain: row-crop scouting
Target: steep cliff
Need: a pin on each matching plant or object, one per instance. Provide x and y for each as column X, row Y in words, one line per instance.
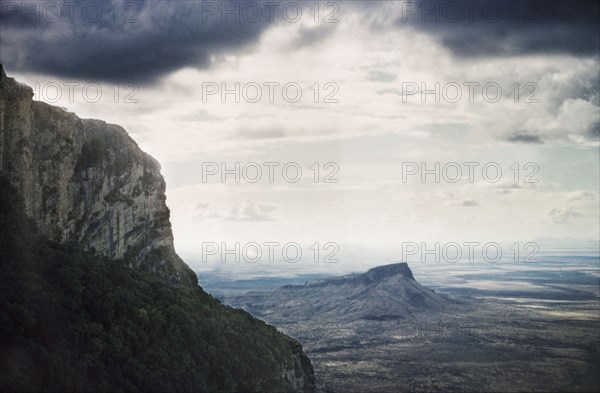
column 86, row 181
column 74, row 315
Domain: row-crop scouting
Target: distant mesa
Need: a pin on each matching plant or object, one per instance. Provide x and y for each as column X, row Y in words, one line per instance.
column 372, row 275
column 381, row 293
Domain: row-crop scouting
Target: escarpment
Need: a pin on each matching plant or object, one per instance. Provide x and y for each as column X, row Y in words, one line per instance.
column 88, row 182
column 76, row 315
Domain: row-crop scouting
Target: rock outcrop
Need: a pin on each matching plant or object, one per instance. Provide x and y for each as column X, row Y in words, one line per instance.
column 88, row 182
column 300, row 376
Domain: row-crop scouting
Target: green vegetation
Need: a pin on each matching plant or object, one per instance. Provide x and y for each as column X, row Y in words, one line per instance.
column 71, row 321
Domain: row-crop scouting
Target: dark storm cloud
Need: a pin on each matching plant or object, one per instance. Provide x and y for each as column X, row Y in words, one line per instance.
column 508, row 27
column 123, row 41
column 138, row 41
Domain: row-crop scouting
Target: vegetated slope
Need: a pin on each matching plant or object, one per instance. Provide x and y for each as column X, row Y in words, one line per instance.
column 98, row 299
column 73, row 321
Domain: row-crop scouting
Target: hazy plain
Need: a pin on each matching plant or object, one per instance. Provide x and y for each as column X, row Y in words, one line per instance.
column 506, row 328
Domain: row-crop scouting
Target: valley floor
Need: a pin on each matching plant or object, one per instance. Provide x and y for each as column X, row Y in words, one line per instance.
column 493, row 347
column 531, row 328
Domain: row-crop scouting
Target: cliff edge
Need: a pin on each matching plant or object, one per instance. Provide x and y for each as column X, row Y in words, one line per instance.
column 88, row 182
column 79, row 320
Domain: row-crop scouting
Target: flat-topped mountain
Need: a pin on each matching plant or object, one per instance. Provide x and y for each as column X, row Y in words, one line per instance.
column 372, row 275
column 384, row 292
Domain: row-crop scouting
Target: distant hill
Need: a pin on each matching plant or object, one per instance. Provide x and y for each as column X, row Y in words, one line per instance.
column 384, row 292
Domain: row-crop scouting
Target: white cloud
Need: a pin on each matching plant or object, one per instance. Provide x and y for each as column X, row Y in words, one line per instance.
column 563, row 215
column 250, row 210
column 579, row 195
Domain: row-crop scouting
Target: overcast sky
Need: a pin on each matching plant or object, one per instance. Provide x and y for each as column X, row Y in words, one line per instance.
column 518, row 90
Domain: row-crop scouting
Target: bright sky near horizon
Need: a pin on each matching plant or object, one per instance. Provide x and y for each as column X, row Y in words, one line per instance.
column 506, row 135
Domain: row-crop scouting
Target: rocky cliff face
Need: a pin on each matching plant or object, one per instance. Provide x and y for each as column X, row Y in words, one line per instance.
column 300, row 376
column 88, row 182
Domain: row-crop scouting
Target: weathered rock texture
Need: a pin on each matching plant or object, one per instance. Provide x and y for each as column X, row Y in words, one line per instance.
column 300, row 376
column 88, row 182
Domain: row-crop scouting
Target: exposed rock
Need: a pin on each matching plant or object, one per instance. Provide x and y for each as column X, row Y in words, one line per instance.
column 301, row 375
column 88, row 182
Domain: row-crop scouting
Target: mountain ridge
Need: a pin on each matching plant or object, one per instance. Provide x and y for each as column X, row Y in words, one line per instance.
column 86, row 181
column 94, row 297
